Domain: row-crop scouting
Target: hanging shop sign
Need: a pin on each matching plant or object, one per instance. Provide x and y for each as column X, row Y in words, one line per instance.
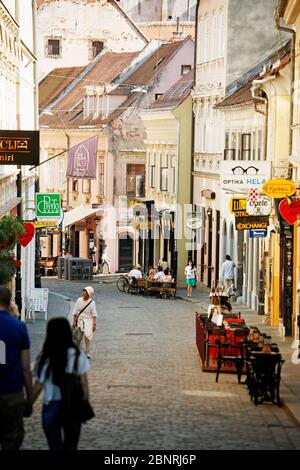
column 44, row 223
column 244, row 175
column 47, row 206
column 290, row 210
column 279, row 188
column 251, row 223
column 19, row 147
column 193, row 220
column 238, row 204
column 261, row 206
column 258, row 233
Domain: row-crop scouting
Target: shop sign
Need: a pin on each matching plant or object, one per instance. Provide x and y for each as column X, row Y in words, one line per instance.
column 19, row 147
column 44, row 223
column 251, row 223
column 243, row 175
column 290, row 210
column 279, row 188
column 261, row 206
column 258, row 233
column 47, row 206
column 193, row 220
column 238, row 204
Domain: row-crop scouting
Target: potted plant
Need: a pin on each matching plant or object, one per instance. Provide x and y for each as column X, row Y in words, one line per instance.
column 10, row 229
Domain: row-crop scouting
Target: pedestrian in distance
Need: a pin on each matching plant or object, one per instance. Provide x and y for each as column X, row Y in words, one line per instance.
column 190, row 276
column 105, row 260
column 227, row 275
column 15, row 375
column 85, row 319
column 60, row 356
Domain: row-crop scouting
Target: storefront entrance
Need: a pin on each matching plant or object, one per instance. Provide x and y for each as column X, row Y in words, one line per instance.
column 125, row 253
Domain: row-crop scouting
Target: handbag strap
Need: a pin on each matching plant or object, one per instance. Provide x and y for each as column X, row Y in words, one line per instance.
column 81, row 311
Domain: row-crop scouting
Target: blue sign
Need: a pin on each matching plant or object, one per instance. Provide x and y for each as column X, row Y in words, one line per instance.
column 259, row 233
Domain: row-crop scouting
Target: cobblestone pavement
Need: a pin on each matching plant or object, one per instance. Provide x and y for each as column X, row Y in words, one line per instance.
column 148, row 389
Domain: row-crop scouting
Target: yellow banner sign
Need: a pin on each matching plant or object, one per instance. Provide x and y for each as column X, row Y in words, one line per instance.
column 279, row 188
column 44, row 223
column 238, row 204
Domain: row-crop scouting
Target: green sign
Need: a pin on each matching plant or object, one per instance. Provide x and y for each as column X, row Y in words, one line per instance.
column 47, row 206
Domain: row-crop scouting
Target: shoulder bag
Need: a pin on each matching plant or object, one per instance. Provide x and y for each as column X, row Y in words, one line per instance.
column 74, row 406
column 81, row 311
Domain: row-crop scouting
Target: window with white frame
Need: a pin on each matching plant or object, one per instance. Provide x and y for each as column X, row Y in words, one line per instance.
column 53, row 47
column 173, row 166
column 61, row 173
column 50, row 174
column 246, row 146
column 164, row 173
column 152, row 173
column 101, row 178
column 86, row 186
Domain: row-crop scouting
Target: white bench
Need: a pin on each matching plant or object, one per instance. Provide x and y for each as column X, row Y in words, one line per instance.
column 38, row 302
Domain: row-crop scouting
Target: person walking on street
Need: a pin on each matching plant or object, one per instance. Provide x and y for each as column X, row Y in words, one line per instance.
column 59, row 356
column 105, row 260
column 190, row 275
column 15, row 375
column 227, row 274
column 84, row 319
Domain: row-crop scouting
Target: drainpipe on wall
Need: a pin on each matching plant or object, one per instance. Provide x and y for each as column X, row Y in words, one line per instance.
column 193, row 115
column 286, row 230
column 258, row 99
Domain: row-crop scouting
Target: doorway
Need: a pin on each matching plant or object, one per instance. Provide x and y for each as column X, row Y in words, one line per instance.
column 125, row 253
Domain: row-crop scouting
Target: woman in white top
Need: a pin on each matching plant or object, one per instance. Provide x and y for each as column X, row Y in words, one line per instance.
column 84, row 319
column 59, row 356
column 190, row 275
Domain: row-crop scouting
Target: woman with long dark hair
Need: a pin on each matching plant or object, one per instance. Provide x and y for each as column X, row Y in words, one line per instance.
column 59, row 356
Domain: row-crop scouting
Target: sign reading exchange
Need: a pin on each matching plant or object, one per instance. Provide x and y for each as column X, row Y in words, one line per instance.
column 251, row 223
column 19, row 147
column 244, row 175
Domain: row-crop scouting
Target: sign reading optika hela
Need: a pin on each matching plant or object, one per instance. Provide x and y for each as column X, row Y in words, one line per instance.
column 19, row 147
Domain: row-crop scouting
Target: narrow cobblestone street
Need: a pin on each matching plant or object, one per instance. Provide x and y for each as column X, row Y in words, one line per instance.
column 147, row 386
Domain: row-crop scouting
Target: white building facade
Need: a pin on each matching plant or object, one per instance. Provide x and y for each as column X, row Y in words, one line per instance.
column 18, row 111
column 209, row 133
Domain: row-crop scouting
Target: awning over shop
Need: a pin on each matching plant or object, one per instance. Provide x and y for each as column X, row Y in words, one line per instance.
column 77, row 214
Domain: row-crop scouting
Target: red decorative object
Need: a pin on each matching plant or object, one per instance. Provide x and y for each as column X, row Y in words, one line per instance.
column 290, row 210
column 26, row 237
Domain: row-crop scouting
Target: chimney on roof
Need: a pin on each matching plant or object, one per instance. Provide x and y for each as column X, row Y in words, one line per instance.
column 178, row 32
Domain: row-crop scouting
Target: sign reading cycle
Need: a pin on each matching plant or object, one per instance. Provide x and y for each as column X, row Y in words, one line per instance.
column 48, row 206
column 251, row 223
column 262, row 206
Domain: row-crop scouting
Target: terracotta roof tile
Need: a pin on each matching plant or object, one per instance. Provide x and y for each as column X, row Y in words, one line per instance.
column 177, row 93
column 148, row 70
column 108, row 67
column 54, row 83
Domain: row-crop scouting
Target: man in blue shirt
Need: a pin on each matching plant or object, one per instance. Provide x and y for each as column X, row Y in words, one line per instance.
column 227, row 275
column 15, row 374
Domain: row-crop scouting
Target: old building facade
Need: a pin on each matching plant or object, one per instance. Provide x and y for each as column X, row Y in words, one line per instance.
column 72, row 33
column 18, row 111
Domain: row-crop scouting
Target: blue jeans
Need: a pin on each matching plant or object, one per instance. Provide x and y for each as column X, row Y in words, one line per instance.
column 60, row 434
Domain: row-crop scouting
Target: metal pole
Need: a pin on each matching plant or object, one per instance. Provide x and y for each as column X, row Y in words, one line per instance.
column 19, row 214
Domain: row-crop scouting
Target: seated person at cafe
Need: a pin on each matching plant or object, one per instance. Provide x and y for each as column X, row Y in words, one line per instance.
column 159, row 275
column 136, row 272
column 152, row 273
column 167, row 276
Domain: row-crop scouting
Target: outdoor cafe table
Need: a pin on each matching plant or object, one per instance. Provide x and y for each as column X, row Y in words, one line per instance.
column 208, row 338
